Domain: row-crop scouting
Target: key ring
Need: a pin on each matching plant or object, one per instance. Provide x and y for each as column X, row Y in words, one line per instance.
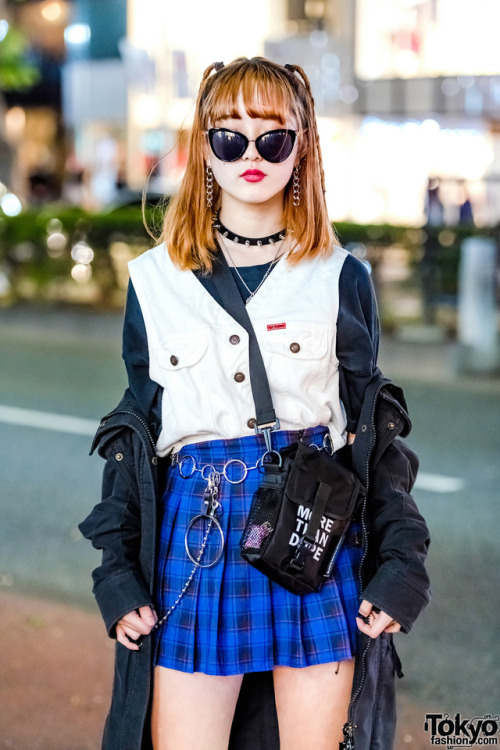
column 212, row 520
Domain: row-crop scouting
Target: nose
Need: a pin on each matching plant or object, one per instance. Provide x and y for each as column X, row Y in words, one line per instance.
column 251, row 153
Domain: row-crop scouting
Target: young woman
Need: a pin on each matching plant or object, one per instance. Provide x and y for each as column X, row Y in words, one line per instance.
column 253, row 191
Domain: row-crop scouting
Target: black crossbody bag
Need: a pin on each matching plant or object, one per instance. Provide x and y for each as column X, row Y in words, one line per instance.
column 302, row 510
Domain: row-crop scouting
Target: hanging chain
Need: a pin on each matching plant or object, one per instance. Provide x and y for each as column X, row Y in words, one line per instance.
column 213, row 505
column 188, row 582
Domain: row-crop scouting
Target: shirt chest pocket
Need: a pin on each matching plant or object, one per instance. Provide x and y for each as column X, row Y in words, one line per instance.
column 178, row 354
column 300, row 343
column 182, row 367
column 299, row 357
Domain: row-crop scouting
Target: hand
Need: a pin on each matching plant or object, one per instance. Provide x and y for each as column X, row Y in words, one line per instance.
column 378, row 622
column 135, row 624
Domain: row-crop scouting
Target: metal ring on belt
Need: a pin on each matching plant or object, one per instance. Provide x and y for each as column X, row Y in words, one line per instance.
column 188, row 473
column 212, row 520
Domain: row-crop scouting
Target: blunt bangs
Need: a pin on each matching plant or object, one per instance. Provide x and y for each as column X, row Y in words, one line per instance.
column 265, row 93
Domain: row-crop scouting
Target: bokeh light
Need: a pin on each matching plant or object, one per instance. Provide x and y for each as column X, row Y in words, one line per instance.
column 82, row 253
column 81, row 273
column 77, row 34
column 56, row 244
column 4, row 28
column 11, row 205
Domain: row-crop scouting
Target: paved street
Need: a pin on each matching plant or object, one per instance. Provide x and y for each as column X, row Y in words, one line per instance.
column 69, row 364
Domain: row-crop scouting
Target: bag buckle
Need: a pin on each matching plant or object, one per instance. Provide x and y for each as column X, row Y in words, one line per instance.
column 266, row 429
column 303, row 550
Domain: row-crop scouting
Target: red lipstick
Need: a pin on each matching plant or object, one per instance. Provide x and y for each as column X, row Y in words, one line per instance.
column 253, row 175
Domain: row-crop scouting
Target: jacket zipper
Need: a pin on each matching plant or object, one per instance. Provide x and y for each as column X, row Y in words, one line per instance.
column 349, row 727
column 369, row 454
column 140, row 420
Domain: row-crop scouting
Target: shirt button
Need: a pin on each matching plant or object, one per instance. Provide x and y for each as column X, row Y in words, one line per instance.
column 239, row 377
column 251, row 423
column 173, row 360
column 295, row 347
column 119, row 456
column 234, row 339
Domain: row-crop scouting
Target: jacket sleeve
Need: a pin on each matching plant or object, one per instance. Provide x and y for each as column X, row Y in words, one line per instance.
column 113, row 526
column 357, row 337
column 135, row 353
column 399, row 534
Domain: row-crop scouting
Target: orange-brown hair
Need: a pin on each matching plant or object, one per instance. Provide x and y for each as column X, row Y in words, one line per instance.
column 268, row 90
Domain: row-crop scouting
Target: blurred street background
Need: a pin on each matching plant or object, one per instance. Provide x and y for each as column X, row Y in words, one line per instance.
column 96, row 98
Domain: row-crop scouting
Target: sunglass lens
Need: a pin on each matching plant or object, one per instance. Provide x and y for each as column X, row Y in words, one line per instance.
column 227, row 145
column 276, row 146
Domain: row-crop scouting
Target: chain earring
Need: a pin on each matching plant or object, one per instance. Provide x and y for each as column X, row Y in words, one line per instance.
column 209, row 186
column 296, row 185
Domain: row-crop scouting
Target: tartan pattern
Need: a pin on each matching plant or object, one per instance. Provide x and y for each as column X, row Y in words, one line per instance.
column 233, row 619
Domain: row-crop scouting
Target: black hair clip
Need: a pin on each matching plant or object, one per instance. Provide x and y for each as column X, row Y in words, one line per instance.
column 218, row 66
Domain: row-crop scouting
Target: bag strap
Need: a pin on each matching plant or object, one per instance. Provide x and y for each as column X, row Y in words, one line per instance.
column 306, row 544
column 266, row 419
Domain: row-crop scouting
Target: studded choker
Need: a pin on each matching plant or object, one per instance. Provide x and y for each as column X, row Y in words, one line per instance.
column 247, row 241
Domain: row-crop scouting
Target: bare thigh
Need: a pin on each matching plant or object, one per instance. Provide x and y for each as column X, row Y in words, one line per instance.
column 192, row 710
column 312, row 704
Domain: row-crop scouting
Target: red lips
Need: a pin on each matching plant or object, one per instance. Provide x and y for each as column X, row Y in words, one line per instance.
column 253, row 175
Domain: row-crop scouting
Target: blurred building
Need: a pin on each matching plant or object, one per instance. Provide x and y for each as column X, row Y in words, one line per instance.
column 408, row 91
column 399, row 102
column 95, row 100
column 32, row 124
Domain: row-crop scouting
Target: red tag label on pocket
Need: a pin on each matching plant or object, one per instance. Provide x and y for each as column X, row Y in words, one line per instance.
column 275, row 326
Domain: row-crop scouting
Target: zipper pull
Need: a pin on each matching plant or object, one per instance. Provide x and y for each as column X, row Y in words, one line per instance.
column 348, row 742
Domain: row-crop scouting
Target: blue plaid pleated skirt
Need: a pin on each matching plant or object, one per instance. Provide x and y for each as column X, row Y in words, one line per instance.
column 232, row 618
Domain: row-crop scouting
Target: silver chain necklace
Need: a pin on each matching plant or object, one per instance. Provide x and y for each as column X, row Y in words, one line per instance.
column 270, row 268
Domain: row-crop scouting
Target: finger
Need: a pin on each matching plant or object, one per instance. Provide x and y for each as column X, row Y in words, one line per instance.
column 365, row 608
column 393, row 627
column 122, row 638
column 363, row 628
column 148, row 616
column 378, row 622
column 131, row 633
column 376, row 629
column 134, row 621
column 381, row 622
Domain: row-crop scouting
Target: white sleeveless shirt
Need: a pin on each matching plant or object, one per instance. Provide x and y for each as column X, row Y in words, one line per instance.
column 199, row 354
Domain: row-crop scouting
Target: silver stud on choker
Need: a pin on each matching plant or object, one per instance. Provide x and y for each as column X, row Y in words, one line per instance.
column 248, row 241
